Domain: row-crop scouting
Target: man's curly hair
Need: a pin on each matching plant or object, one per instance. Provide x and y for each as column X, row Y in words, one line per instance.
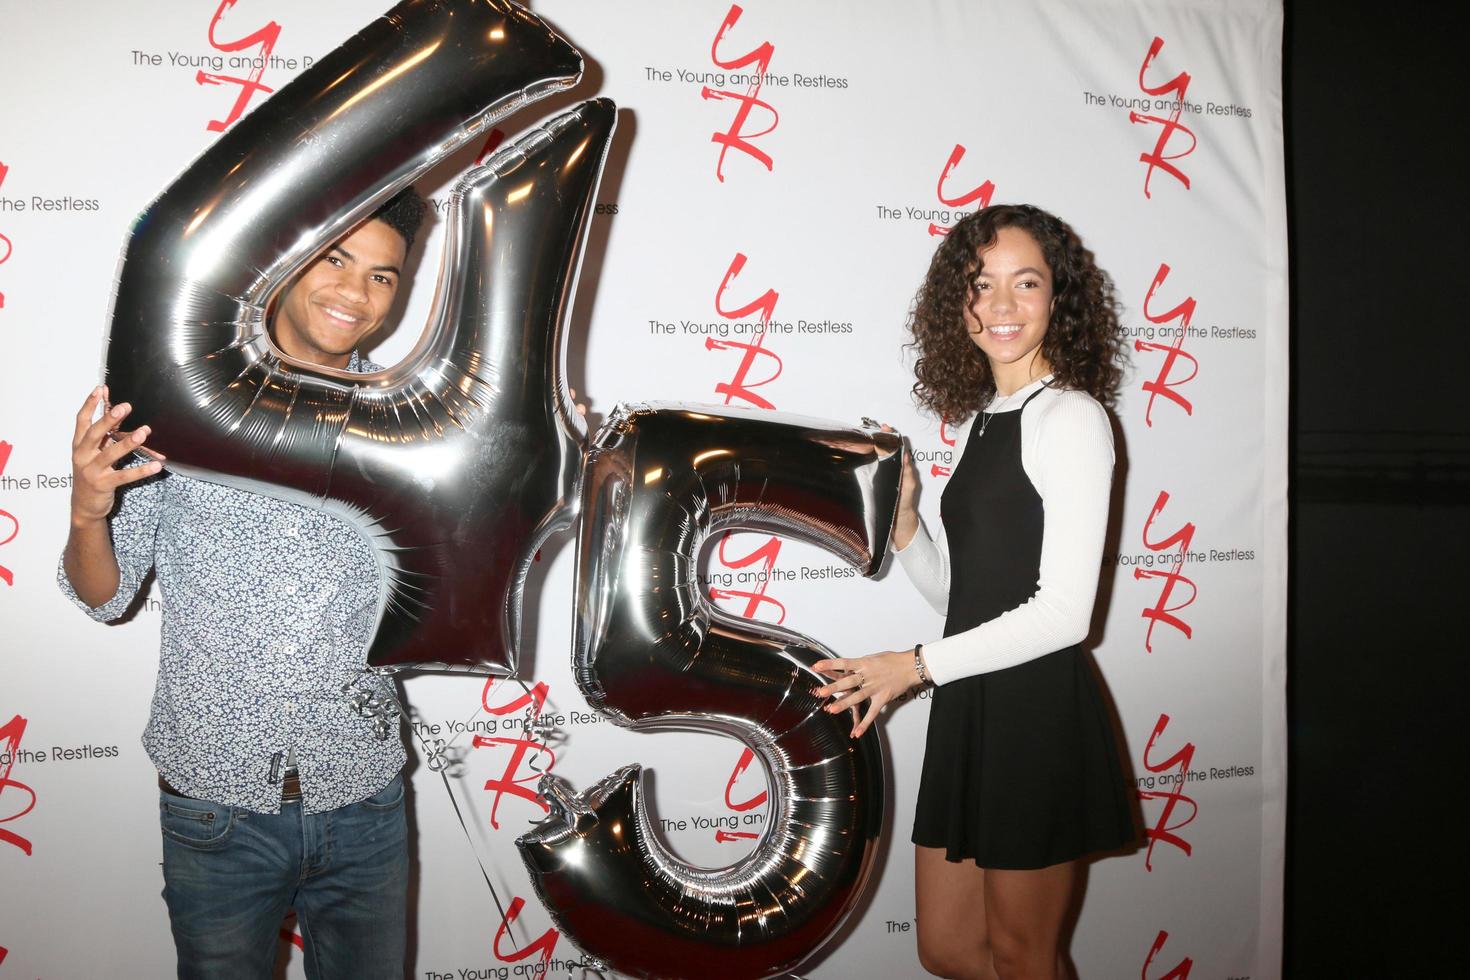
column 404, row 213
column 1084, row 340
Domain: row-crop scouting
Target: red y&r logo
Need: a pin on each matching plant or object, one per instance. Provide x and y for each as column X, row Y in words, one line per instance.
column 545, row 944
column 1162, row 383
column 747, row 756
column 1174, row 769
column 289, row 932
column 492, row 142
column 979, row 195
column 5, row 245
column 9, row 534
column 523, row 750
column 1171, row 94
column 763, row 558
column 761, row 561
column 735, row 137
column 741, row 386
column 10, row 736
column 266, row 38
column 950, row 439
column 1180, row 972
column 1161, row 611
column 9, row 524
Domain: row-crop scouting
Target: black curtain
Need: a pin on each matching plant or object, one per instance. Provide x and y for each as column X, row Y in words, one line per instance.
column 1380, row 488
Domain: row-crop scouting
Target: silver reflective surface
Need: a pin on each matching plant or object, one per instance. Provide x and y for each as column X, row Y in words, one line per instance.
column 458, row 461
column 651, row 651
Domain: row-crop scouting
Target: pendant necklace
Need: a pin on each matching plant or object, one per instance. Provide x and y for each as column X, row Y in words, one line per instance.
column 986, row 417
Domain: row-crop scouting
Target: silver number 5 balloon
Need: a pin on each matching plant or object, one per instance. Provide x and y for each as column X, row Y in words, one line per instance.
column 652, row 652
column 457, row 462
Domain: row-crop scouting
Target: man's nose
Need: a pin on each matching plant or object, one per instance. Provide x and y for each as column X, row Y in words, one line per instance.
column 352, row 288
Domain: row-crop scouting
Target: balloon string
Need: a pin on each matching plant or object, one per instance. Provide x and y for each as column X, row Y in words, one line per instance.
column 494, row 895
column 431, row 754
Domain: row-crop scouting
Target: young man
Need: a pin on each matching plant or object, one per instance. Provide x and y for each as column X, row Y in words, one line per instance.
column 273, row 792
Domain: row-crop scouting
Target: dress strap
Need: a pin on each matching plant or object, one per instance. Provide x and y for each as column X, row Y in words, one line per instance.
column 1044, row 386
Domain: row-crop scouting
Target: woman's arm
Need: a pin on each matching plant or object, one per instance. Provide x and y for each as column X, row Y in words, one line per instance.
column 1070, row 460
column 925, row 561
column 1069, row 457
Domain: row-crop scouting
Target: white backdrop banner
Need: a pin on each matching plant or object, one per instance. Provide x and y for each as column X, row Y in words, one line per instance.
column 780, row 175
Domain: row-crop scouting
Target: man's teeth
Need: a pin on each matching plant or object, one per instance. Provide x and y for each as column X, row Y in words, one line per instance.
column 339, row 315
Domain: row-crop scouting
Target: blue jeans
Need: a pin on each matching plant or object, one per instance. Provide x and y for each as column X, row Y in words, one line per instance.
column 230, row 874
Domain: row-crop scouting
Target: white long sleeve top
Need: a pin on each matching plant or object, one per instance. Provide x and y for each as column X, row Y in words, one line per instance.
column 1067, row 453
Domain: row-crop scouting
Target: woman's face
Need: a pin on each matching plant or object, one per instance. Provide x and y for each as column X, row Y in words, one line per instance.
column 1011, row 307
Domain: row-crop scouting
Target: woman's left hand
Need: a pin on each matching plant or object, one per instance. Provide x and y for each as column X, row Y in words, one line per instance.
column 877, row 679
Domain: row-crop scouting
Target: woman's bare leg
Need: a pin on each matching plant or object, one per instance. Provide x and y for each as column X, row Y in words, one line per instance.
column 978, row 924
column 950, row 903
column 1025, row 913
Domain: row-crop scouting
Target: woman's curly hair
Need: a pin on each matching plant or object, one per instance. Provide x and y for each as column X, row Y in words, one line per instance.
column 1084, row 340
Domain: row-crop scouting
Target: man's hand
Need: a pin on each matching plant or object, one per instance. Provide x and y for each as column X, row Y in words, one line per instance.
column 96, row 448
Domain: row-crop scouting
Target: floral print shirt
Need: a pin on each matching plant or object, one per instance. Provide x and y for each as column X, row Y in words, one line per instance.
column 267, row 607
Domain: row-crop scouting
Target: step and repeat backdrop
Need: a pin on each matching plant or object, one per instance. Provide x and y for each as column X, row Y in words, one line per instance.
column 780, row 176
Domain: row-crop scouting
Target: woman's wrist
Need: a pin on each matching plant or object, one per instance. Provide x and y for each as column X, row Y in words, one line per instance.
column 904, row 528
column 921, row 668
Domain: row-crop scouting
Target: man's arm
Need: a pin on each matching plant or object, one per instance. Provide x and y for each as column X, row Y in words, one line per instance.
column 89, row 562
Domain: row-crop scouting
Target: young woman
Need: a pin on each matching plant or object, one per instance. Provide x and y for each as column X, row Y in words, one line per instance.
column 1016, row 326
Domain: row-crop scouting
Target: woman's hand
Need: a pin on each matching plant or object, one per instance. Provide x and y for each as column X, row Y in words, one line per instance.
column 877, row 678
column 907, row 523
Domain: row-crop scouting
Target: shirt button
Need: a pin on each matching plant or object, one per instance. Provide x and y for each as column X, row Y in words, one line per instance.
column 290, row 707
column 291, row 588
column 292, row 531
column 288, row 648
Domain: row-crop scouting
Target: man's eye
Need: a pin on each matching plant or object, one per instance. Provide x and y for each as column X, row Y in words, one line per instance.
column 334, row 261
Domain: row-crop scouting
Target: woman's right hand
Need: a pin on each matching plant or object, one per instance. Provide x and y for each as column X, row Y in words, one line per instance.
column 907, row 524
column 95, row 452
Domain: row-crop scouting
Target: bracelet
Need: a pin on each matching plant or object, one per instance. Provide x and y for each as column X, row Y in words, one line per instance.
column 919, row 664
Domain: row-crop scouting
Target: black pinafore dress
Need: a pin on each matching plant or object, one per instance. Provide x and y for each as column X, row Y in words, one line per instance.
column 1020, row 765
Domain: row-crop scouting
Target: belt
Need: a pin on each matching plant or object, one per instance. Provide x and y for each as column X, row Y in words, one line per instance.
column 290, row 787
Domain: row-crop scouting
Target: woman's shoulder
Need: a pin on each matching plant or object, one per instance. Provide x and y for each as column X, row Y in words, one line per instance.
column 1066, row 415
column 1069, row 405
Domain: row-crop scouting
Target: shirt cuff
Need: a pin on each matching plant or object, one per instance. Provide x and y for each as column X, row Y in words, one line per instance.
column 105, row 613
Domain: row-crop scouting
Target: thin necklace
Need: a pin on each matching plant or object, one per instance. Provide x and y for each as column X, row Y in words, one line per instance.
column 986, row 417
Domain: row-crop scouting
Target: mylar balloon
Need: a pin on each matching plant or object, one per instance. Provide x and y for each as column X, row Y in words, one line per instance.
column 459, row 460
column 651, row 651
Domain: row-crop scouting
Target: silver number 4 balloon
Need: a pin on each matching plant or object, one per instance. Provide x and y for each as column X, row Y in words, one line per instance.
column 455, row 464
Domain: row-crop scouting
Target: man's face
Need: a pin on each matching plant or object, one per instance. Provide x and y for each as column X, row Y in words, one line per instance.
column 341, row 297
